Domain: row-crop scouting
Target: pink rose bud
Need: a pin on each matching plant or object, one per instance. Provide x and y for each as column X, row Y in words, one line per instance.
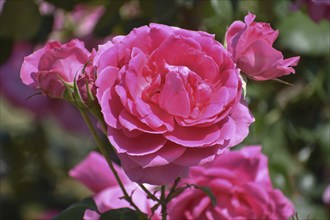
column 240, row 183
column 171, row 99
column 49, row 67
column 251, row 46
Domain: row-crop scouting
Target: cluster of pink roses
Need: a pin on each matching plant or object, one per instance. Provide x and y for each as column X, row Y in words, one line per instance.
column 239, row 180
column 171, row 99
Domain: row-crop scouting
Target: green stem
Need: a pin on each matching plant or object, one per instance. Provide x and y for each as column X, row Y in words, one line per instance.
column 150, row 195
column 163, row 202
column 169, row 196
column 106, row 155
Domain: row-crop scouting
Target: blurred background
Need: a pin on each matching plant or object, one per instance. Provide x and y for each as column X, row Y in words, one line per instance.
column 41, row 139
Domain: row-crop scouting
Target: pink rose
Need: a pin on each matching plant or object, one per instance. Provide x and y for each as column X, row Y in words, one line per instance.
column 171, row 100
column 48, row 214
column 251, row 46
column 17, row 94
column 326, row 195
column 47, row 68
column 317, row 9
column 241, row 185
column 95, row 173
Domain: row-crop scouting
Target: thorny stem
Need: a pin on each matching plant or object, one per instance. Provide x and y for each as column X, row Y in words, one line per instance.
column 169, row 196
column 150, row 195
column 163, row 202
column 104, row 152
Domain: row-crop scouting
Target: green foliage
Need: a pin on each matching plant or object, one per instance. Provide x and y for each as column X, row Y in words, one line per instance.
column 77, row 210
column 292, row 121
column 303, row 36
column 110, row 18
column 122, row 214
column 20, row 20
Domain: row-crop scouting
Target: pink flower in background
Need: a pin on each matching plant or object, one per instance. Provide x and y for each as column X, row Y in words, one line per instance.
column 86, row 18
column 95, row 174
column 16, row 93
column 326, row 195
column 47, row 68
column 48, row 214
column 79, row 22
column 317, row 9
column 1, row 5
column 251, row 46
column 241, row 185
column 11, row 86
column 171, row 100
column 82, row 19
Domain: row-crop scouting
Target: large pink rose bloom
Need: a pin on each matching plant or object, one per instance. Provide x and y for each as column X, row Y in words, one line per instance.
column 94, row 173
column 48, row 67
column 241, row 185
column 170, row 98
column 251, row 46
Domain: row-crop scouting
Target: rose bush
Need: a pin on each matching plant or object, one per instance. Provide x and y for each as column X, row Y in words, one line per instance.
column 94, row 173
column 47, row 68
column 241, row 185
column 170, row 98
column 251, row 46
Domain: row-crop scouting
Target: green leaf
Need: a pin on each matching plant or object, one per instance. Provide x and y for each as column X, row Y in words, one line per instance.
column 20, row 20
column 122, row 214
column 77, row 210
column 234, row 5
column 160, row 11
column 6, row 49
column 109, row 19
column 303, row 36
column 79, row 102
column 46, row 27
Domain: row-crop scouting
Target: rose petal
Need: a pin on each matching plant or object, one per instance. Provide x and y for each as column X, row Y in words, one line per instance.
column 196, row 156
column 94, row 172
column 173, row 97
column 166, row 155
column 140, row 145
column 111, row 107
column 132, row 123
column 242, row 119
column 194, row 136
column 153, row 175
column 106, row 79
column 91, row 215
